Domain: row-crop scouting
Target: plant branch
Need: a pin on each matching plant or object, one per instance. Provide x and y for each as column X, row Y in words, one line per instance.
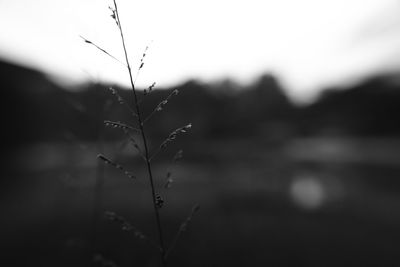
column 101, row 49
column 127, row 226
column 116, row 165
column 121, row 101
column 120, row 125
column 161, row 105
column 171, row 137
column 182, row 229
column 146, row 150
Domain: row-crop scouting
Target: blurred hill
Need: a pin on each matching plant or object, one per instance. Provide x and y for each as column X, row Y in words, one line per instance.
column 37, row 110
column 370, row 108
column 33, row 108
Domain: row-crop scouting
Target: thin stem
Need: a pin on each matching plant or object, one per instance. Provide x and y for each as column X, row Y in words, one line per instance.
column 101, row 49
column 182, row 229
column 146, row 150
column 161, row 105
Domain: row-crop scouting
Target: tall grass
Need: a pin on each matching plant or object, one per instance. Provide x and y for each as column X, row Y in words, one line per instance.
column 142, row 147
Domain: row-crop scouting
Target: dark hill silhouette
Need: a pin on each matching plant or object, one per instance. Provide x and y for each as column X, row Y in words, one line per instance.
column 370, row 108
column 35, row 109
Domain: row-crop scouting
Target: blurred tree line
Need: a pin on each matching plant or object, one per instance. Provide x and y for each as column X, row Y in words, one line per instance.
column 36, row 110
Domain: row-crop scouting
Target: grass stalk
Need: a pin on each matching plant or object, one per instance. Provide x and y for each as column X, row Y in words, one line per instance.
column 143, row 150
column 143, row 135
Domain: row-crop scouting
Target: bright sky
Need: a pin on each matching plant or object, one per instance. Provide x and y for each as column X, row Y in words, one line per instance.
column 307, row 44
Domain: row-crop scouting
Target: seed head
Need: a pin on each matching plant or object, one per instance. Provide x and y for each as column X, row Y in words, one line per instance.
column 159, row 201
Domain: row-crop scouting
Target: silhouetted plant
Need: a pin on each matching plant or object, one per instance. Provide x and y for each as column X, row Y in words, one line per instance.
column 143, row 149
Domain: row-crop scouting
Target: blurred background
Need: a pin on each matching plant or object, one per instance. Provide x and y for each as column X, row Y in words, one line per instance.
column 294, row 153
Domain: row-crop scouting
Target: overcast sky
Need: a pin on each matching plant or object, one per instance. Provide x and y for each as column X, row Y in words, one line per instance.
column 307, row 44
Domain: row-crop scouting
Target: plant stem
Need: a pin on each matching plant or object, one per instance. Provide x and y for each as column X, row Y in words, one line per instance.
column 146, row 150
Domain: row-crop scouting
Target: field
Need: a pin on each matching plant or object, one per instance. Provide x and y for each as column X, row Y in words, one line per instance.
column 307, row 202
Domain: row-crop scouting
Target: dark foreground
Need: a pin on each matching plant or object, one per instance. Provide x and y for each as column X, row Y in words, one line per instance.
column 306, row 203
